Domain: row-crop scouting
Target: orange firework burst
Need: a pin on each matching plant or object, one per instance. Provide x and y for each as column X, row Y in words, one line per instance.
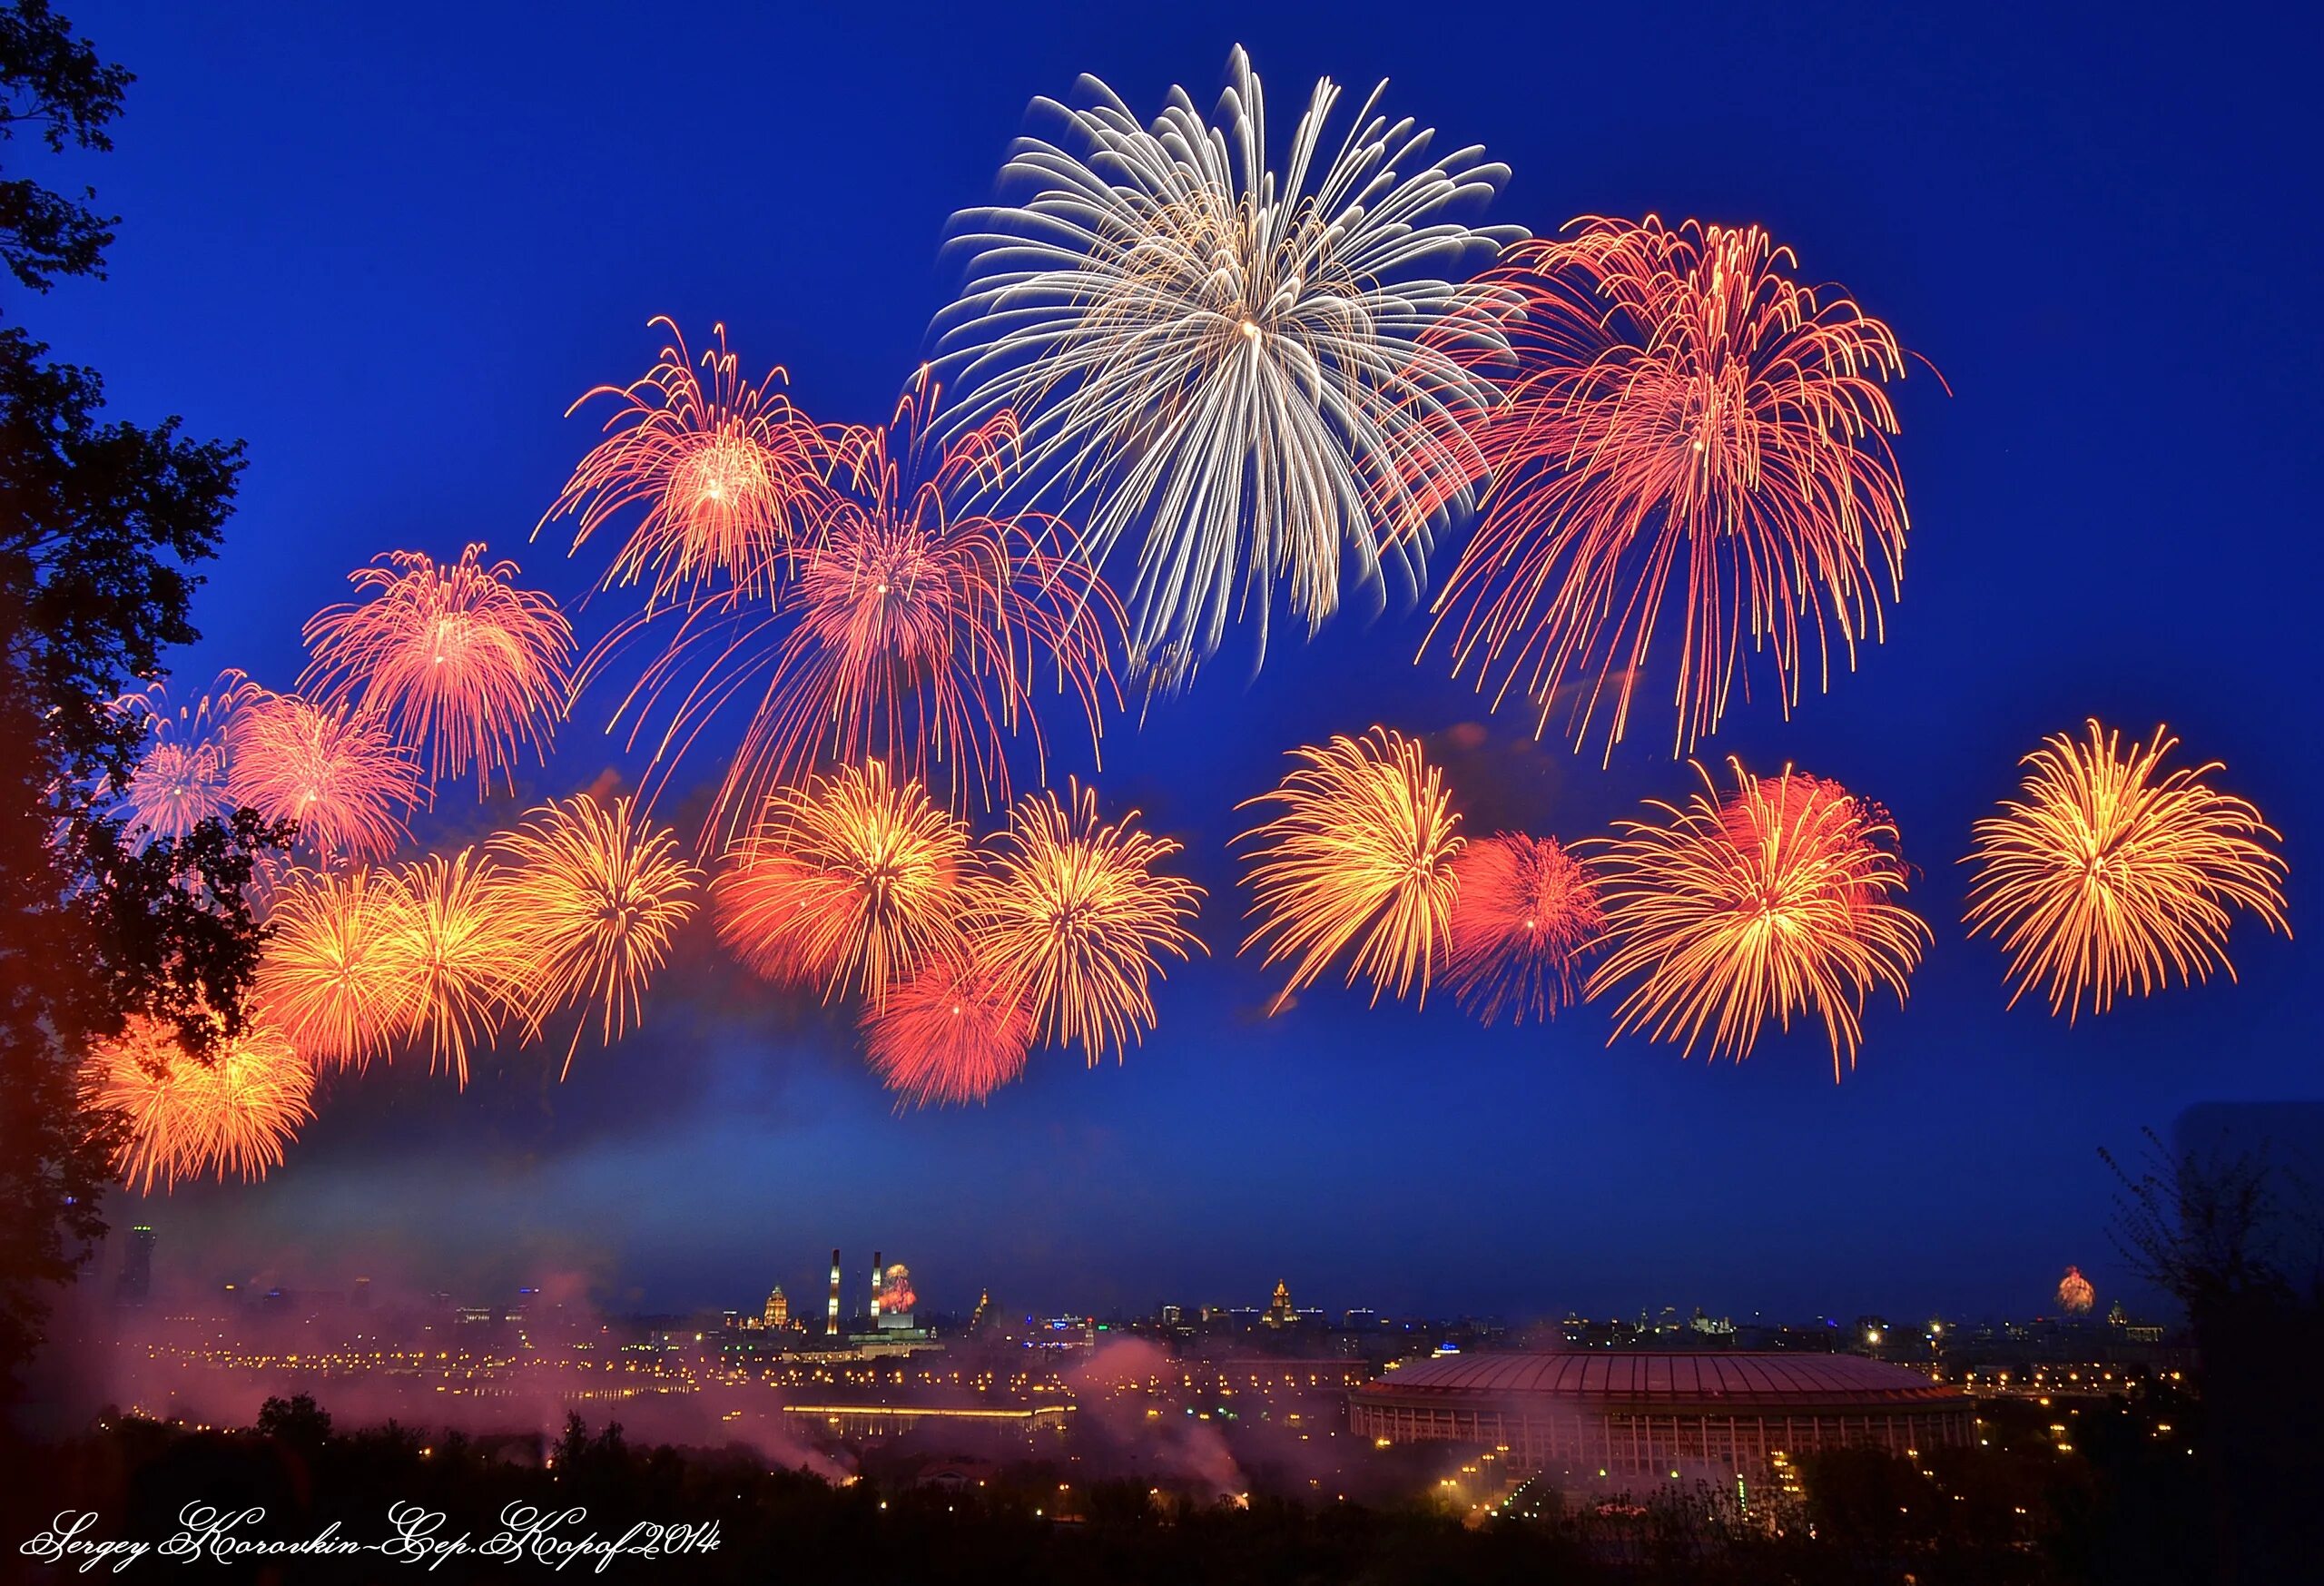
column 1361, row 856
column 184, row 1118
column 1073, row 920
column 851, row 882
column 1771, row 900
column 2075, row 1297
column 1683, row 412
column 915, row 633
column 338, row 774
column 596, row 896
column 466, row 955
column 465, row 667
column 2111, row 876
column 1526, row 913
column 729, row 474
column 337, row 976
column 180, row 779
column 952, row 1034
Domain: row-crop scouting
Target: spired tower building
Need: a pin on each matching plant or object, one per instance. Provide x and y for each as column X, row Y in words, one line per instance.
column 778, row 1310
column 1279, row 1312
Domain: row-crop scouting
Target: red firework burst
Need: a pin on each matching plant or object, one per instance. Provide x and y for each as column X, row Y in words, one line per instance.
column 952, row 1034
column 1526, row 915
column 729, row 474
column 338, row 774
column 915, row 633
column 1686, row 425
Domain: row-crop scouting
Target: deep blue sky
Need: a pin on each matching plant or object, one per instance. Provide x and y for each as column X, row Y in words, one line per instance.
column 389, row 253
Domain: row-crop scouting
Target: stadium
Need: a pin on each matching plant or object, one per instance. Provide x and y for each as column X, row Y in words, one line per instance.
column 1615, row 1417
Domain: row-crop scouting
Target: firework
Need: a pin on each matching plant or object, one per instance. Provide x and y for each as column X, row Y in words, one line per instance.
column 2111, row 876
column 339, row 975
column 337, row 772
column 952, row 1034
column 182, row 1118
column 2075, row 1297
column 181, row 778
column 466, row 669
column 1360, row 857
column 1073, row 920
column 466, row 953
column 915, row 633
column 1526, row 915
column 596, row 895
column 850, row 882
column 1255, row 365
column 1687, row 424
column 1771, row 900
column 728, row 474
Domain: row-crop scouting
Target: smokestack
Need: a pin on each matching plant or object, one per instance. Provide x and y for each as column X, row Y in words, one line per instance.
column 875, row 1289
column 831, row 1315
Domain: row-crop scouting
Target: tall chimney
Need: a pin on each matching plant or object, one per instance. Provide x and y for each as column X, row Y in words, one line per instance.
column 875, row 1289
column 830, row 1314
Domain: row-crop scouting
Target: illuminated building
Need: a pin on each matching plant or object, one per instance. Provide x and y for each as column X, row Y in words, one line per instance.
column 137, row 1266
column 1279, row 1312
column 830, row 1314
column 778, row 1310
column 875, row 1289
column 1584, row 1416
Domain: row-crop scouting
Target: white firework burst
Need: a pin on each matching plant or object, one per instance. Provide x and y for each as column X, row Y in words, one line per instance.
column 1265, row 368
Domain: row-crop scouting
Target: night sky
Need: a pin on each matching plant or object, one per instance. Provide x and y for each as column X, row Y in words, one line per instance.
column 389, row 257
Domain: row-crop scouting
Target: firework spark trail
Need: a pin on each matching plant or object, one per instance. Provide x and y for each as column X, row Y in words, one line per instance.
column 729, row 474
column 1685, row 421
column 594, row 896
column 1072, row 918
column 1752, row 906
column 337, row 975
column 181, row 777
column 952, row 1033
column 1251, row 362
column 184, row 1118
column 468, row 669
column 467, row 952
column 338, row 774
column 916, row 632
column 1360, row 857
column 850, row 883
column 1526, row 915
column 2112, row 877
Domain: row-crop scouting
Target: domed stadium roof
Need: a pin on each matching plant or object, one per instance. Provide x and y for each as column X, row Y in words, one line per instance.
column 1721, row 1377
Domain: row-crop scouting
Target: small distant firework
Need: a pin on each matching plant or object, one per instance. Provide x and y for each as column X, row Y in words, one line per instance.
column 466, row 955
column 594, row 896
column 729, row 474
column 1683, row 412
column 339, row 975
column 952, row 1034
column 338, row 774
column 915, row 633
column 850, row 883
column 181, row 778
column 1362, row 858
column 1752, row 906
column 2112, row 877
column 2075, row 1297
column 1073, row 919
column 1526, row 915
column 184, row 1118
column 466, row 669
column 1255, row 365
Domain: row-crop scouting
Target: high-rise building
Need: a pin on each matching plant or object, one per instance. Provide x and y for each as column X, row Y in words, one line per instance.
column 831, row 1312
column 876, row 1270
column 1279, row 1312
column 359, row 1296
column 137, row 1266
column 778, row 1309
